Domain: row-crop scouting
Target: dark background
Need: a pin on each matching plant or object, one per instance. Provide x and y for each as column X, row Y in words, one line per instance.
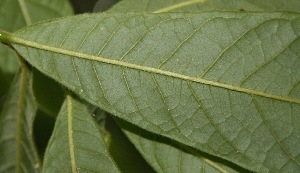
column 87, row 6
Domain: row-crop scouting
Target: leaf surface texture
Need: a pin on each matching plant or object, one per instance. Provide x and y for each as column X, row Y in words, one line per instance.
column 17, row 150
column 16, row 14
column 224, row 83
column 76, row 144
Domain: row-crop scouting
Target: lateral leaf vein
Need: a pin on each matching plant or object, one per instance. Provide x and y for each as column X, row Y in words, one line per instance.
column 20, row 41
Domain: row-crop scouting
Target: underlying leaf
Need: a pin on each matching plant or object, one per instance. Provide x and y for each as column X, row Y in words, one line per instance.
column 225, row 83
column 8, row 61
column 163, row 155
column 16, row 14
column 124, row 153
column 8, row 67
column 206, row 5
column 166, row 156
column 17, row 150
column 104, row 5
column 76, row 144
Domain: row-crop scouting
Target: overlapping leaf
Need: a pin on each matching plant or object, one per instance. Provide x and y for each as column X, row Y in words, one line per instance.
column 76, row 144
column 223, row 83
column 167, row 156
column 8, row 67
column 17, row 150
column 16, row 14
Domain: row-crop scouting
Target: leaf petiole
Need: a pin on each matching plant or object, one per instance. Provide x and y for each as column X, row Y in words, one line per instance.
column 5, row 37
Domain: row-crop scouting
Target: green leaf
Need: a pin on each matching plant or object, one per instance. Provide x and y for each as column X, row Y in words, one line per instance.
column 16, row 14
column 104, row 5
column 158, row 6
column 17, row 150
column 8, row 60
column 8, row 67
column 163, row 153
column 76, row 144
column 225, row 83
column 159, row 156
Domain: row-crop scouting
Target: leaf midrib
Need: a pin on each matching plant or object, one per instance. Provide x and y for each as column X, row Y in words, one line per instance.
column 20, row 121
column 25, row 12
column 17, row 40
column 179, row 5
column 70, row 134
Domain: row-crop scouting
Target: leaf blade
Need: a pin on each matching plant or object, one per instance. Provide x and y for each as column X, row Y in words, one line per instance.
column 83, row 149
column 18, row 153
column 157, row 102
column 16, row 14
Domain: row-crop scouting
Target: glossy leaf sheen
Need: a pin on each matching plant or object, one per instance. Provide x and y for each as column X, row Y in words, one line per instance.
column 76, row 144
column 17, row 151
column 224, row 83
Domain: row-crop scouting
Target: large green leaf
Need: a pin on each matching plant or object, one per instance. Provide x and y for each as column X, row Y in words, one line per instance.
column 206, row 5
column 224, row 83
column 156, row 152
column 17, row 150
column 76, row 144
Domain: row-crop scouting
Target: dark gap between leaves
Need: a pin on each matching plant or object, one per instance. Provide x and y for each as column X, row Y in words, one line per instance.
column 187, row 149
